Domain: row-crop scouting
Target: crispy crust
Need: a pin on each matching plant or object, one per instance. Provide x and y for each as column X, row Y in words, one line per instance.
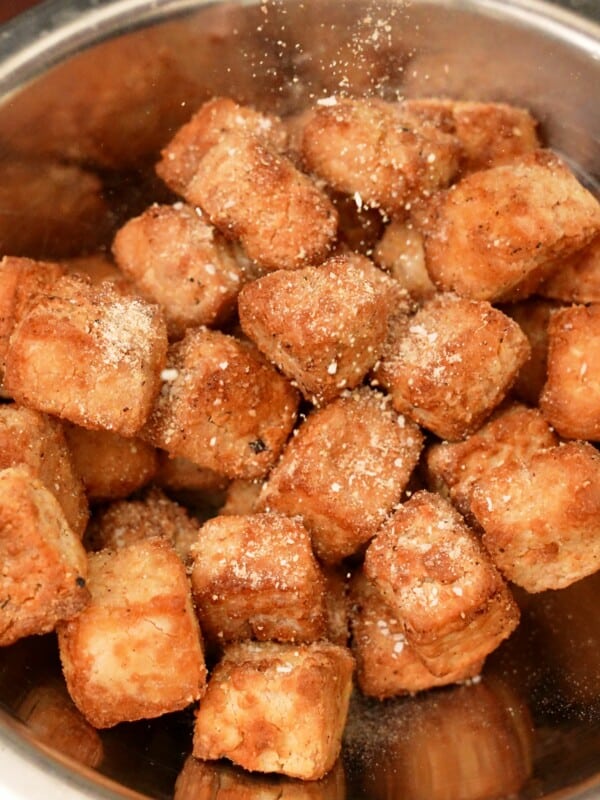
column 577, row 279
column 254, row 692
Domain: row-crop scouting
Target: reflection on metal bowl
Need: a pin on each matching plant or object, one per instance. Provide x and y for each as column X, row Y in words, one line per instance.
column 95, row 97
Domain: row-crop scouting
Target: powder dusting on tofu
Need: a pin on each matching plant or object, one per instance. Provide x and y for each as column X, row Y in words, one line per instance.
column 124, row 329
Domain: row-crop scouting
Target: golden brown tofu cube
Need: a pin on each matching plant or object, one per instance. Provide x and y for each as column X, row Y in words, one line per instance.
column 570, row 400
column 255, row 577
column 179, row 474
column 344, row 471
column 176, row 259
column 97, row 267
column 182, row 156
column 53, row 719
column 498, row 233
column 89, row 355
column 203, row 780
column 111, row 467
column 21, row 280
column 37, row 441
column 222, row 406
column 431, row 568
column 135, row 652
column 386, row 665
column 577, row 278
column 276, row 708
column 127, row 521
column 375, row 151
column 452, row 363
column 540, row 517
column 241, row 497
column 325, row 326
column 401, row 252
column 489, row 133
column 50, row 209
column 253, row 194
column 513, row 434
column 44, row 567
column 532, row 316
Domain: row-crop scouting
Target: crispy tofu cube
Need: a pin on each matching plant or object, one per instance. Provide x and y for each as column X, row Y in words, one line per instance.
column 135, row 652
column 205, row 780
column 222, row 406
column 241, row 497
column 540, row 517
column 176, row 259
column 97, row 267
column 513, row 434
column 154, row 516
column 344, row 471
column 432, row 570
column 377, row 152
column 21, row 280
column 253, row 194
column 325, row 326
column 276, row 708
column 386, row 665
column 499, row 233
column 182, row 156
column 50, row 209
column 452, row 363
column 111, row 467
column 181, row 475
column 570, row 400
column 53, row 719
column 255, row 577
column 44, row 567
column 34, row 440
column 401, row 252
column 89, row 355
column 489, row 133
column 577, row 278
column 532, row 316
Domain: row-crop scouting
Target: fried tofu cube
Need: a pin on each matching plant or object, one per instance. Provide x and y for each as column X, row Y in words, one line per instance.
column 253, row 194
column 241, row 497
column 377, row 152
column 50, row 209
column 577, row 279
column 532, row 316
column 433, row 571
column 344, row 471
column 181, row 475
column 182, row 156
column 400, row 251
column 44, row 567
column 255, row 577
column 97, row 267
column 452, row 363
column 153, row 516
column 540, row 516
column 89, row 355
column 386, row 665
column 135, row 652
column 276, row 708
column 111, row 467
column 513, row 434
column 499, row 233
column 205, row 780
column 21, row 280
column 489, row 133
column 176, row 259
column 53, row 719
column 325, row 326
column 222, row 406
column 570, row 399
column 37, row 441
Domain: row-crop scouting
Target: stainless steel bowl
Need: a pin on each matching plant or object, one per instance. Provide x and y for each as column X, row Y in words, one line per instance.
column 104, row 84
